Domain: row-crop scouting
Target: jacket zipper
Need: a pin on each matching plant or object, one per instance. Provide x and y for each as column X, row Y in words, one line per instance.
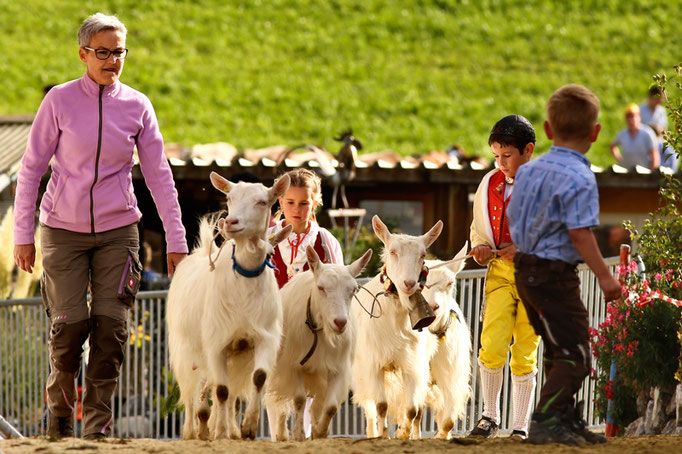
column 99, row 149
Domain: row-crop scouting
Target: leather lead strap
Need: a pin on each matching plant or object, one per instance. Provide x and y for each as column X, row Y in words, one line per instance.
column 310, row 323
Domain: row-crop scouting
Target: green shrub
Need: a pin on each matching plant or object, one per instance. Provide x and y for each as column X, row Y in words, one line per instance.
column 641, row 333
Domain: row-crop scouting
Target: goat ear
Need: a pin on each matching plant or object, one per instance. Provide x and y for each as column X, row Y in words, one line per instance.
column 357, row 266
column 313, row 259
column 220, row 183
column 380, row 229
column 276, row 238
column 459, row 259
column 279, row 188
column 429, row 237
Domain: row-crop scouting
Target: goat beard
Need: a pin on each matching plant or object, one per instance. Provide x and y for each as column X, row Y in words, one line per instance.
column 405, row 302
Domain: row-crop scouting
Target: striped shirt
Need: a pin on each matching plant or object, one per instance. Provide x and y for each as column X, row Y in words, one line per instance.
column 553, row 194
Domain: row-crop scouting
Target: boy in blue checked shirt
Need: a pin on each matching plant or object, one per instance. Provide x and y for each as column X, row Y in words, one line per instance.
column 554, row 206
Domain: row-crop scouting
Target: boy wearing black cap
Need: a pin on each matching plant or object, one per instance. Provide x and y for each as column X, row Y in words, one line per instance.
column 512, row 140
column 554, row 206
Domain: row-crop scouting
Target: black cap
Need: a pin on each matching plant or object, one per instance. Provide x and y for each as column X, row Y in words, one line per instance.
column 515, row 126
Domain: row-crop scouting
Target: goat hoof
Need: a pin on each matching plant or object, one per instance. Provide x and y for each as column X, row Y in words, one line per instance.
column 204, row 432
column 248, row 433
column 299, row 437
column 318, row 435
column 402, row 434
column 282, row 437
column 446, row 427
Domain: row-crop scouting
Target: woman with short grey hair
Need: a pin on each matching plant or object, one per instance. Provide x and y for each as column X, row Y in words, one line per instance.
column 86, row 130
column 97, row 23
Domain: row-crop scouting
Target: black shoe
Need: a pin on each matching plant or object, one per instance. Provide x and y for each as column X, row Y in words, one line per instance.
column 579, row 426
column 59, row 426
column 485, row 427
column 518, row 435
column 551, row 427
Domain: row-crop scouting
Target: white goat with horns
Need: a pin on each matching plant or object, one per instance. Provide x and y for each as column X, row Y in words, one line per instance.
column 225, row 326
column 392, row 352
column 317, row 346
column 448, row 345
column 450, row 390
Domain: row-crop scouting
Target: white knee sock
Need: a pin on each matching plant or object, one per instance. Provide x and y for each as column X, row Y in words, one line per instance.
column 522, row 392
column 491, row 386
column 307, row 417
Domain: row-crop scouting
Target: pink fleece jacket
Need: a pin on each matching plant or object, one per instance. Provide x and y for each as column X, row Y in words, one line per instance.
column 89, row 132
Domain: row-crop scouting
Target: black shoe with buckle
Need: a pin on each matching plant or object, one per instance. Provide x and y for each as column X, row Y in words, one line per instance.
column 518, row 435
column 579, row 426
column 486, row 428
column 550, row 427
column 59, row 426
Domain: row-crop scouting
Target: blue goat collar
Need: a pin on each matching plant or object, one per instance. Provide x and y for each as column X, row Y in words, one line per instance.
column 249, row 273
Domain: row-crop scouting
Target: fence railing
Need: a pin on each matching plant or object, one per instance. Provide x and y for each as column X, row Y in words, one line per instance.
column 145, row 383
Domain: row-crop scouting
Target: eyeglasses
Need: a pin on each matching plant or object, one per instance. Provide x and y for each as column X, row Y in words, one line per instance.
column 104, row 54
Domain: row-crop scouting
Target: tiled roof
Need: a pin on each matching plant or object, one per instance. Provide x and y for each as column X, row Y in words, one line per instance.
column 226, row 155
column 13, row 136
column 14, row 132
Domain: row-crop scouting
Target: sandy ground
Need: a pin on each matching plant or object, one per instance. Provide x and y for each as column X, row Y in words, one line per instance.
column 640, row 445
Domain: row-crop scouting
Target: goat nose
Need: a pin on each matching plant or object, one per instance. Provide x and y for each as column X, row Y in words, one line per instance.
column 409, row 284
column 340, row 323
column 231, row 221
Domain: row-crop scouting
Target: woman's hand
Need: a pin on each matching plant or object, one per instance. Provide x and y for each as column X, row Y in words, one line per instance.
column 173, row 259
column 481, row 253
column 25, row 256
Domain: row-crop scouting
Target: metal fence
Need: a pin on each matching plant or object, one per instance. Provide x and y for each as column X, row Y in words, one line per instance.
column 146, row 383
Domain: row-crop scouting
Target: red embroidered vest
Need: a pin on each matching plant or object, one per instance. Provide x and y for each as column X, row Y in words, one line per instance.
column 281, row 267
column 497, row 209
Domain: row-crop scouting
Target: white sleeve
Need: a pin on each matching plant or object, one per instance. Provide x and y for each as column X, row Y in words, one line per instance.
column 333, row 246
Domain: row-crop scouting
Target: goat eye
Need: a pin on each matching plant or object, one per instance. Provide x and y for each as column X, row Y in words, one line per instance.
column 261, row 203
column 393, row 252
column 321, row 289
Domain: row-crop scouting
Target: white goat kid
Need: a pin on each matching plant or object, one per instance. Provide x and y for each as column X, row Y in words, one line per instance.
column 392, row 352
column 317, row 345
column 225, row 326
column 450, row 390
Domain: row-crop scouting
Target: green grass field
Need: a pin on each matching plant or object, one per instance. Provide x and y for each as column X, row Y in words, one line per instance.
column 409, row 75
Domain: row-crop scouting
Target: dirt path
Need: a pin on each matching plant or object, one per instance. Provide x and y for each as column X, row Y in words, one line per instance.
column 639, row 445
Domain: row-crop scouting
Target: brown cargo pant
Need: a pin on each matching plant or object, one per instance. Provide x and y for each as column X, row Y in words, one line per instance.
column 550, row 291
column 104, row 263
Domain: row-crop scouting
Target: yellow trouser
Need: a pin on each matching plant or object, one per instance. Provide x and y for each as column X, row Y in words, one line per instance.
column 505, row 316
